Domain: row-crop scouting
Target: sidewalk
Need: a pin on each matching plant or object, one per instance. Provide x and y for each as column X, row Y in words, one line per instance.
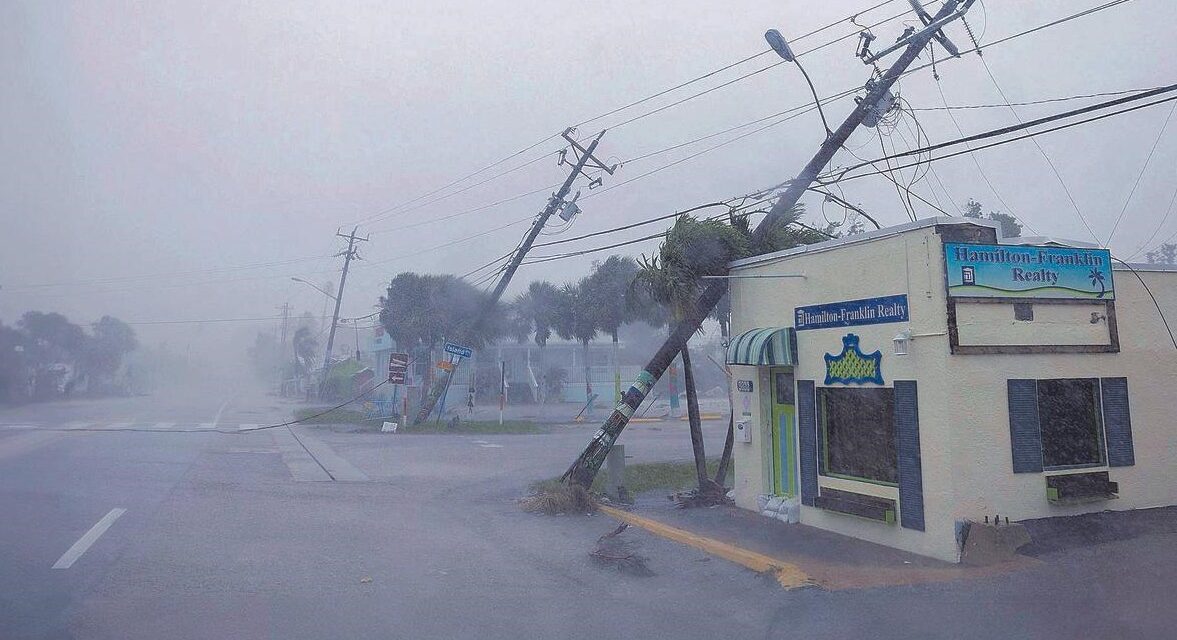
column 800, row 555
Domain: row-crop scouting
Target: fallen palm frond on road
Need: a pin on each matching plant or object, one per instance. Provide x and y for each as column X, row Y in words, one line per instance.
column 558, row 500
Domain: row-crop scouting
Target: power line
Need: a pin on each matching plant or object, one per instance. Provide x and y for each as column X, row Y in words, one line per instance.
column 165, row 274
column 1140, row 175
column 233, row 432
column 1164, row 219
column 465, row 212
column 408, row 205
column 748, row 75
column 635, row 224
column 732, row 210
column 837, row 96
column 977, row 162
column 210, row 320
column 459, row 180
column 843, row 177
column 1024, row 125
column 730, row 66
column 809, row 107
column 1058, row 176
column 1027, row 103
column 1153, row 298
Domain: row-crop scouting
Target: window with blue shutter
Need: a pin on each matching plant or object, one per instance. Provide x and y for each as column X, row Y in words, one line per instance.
column 907, row 448
column 1117, row 423
column 807, row 440
column 1024, row 434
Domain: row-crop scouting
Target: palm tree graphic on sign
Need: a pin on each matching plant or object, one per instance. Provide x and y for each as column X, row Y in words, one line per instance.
column 1097, row 279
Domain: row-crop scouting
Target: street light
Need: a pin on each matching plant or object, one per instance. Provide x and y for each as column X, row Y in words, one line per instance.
column 781, row 46
column 313, row 286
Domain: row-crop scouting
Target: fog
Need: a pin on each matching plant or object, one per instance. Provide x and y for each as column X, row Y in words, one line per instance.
column 176, row 161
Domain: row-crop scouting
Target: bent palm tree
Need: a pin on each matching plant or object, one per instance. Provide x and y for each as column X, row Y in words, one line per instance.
column 693, row 249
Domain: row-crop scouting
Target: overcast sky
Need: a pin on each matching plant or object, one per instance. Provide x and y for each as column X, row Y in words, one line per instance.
column 151, row 149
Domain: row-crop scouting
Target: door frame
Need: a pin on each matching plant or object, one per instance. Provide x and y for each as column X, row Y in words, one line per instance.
column 783, row 456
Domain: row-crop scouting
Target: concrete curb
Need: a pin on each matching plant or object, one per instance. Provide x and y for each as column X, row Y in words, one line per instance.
column 788, row 575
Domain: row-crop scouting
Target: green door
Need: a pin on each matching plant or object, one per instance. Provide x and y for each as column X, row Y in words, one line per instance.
column 784, row 458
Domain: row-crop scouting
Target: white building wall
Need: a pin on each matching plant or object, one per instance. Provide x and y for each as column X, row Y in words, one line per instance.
column 963, row 411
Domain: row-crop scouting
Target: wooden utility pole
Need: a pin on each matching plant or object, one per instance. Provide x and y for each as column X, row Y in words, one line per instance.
column 348, row 255
column 585, row 468
column 583, row 158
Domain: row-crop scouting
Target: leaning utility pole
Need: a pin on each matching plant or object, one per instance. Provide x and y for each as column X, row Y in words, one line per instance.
column 584, row 158
column 878, row 95
column 348, row 255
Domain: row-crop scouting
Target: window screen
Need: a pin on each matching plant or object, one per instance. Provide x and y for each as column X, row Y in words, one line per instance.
column 1069, row 418
column 783, row 383
column 858, row 429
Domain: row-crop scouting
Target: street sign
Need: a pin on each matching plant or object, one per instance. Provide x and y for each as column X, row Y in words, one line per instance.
column 445, row 365
column 458, row 350
column 398, row 366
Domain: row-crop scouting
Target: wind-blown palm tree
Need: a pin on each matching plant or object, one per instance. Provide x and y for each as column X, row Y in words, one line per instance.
column 305, row 347
column 674, row 277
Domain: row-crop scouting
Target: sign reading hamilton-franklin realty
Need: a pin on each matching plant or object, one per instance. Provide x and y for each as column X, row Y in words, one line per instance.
column 1016, row 271
column 851, row 313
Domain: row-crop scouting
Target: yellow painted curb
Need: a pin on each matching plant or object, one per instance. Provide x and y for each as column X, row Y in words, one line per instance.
column 790, row 576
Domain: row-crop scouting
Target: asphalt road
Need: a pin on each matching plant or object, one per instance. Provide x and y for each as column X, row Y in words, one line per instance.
column 312, row 532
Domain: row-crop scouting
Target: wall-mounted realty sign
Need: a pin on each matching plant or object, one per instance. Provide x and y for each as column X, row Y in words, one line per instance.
column 1000, row 271
column 851, row 313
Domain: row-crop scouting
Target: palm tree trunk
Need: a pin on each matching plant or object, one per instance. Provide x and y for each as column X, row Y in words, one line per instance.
column 616, row 371
column 693, row 419
column 725, row 460
column 542, row 392
column 584, row 469
column 588, row 384
column 427, row 381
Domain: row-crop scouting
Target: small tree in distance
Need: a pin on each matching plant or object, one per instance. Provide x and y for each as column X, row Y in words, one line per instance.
column 1010, row 227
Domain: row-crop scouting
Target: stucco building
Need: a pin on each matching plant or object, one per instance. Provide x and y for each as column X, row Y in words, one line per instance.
column 895, row 385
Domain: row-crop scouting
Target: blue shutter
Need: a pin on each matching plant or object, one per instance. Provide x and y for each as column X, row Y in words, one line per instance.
column 1117, row 423
column 807, row 439
column 1024, row 433
column 907, row 448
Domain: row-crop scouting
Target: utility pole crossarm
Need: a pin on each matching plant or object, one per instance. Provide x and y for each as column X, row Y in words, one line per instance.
column 584, row 157
column 584, row 469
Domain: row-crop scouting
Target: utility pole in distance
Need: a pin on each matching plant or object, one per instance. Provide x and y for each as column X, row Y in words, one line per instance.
column 282, row 345
column 585, row 468
column 348, row 255
column 584, row 158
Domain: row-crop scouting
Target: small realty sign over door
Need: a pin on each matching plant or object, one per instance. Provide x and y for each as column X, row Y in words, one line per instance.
column 851, row 313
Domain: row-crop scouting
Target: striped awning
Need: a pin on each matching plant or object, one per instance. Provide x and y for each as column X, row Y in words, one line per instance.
column 764, row 347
